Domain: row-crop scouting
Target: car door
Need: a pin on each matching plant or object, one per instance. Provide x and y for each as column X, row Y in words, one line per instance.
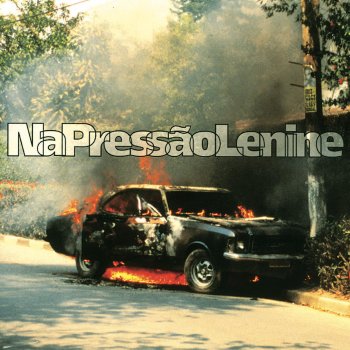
column 133, row 225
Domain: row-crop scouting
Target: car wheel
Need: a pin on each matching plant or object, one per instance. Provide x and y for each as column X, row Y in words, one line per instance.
column 89, row 268
column 201, row 272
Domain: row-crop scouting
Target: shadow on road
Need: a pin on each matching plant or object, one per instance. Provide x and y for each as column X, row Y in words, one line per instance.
column 46, row 307
column 149, row 341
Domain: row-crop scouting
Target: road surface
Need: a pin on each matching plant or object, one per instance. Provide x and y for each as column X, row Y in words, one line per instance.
column 44, row 305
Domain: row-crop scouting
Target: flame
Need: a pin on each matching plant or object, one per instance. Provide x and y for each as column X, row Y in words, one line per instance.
column 179, row 211
column 244, row 213
column 91, row 202
column 215, row 215
column 154, row 171
column 88, row 206
column 72, row 208
column 123, row 273
column 201, row 213
column 255, row 279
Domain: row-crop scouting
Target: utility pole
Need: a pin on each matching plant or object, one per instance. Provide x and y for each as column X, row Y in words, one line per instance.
column 313, row 111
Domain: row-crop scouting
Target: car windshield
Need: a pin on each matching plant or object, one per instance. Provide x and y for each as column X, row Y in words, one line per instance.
column 208, row 204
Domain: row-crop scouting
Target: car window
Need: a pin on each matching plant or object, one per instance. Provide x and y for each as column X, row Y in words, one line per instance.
column 201, row 203
column 124, row 203
column 151, row 202
column 136, row 202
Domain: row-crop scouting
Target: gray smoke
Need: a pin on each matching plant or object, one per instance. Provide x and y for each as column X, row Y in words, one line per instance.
column 233, row 69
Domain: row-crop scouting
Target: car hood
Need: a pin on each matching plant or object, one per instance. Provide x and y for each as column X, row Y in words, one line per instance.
column 259, row 226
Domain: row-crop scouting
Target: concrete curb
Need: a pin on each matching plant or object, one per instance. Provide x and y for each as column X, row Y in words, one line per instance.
column 25, row 242
column 320, row 302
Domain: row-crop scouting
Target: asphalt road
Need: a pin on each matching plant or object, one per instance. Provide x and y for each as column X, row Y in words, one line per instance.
column 45, row 306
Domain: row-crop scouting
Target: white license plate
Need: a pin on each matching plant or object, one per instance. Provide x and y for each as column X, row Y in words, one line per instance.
column 279, row 264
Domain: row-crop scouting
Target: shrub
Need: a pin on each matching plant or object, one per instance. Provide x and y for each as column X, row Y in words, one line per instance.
column 328, row 257
column 16, row 212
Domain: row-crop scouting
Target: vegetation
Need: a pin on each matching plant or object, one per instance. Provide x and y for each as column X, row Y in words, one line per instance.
column 197, row 8
column 328, row 257
column 40, row 29
column 333, row 22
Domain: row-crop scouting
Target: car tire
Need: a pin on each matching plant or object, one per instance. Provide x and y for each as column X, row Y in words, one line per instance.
column 202, row 273
column 88, row 268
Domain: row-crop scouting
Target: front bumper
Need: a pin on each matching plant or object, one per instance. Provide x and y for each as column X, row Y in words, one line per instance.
column 269, row 265
column 256, row 257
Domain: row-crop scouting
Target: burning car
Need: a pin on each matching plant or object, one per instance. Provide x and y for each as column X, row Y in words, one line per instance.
column 190, row 229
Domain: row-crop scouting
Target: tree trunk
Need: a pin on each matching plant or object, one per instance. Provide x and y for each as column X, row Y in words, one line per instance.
column 313, row 112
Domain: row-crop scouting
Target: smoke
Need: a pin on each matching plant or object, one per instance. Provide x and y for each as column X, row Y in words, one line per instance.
column 250, row 54
column 140, row 69
column 176, row 229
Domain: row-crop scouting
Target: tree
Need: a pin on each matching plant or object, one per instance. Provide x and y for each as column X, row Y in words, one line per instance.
column 219, row 69
column 75, row 89
column 326, row 42
column 197, row 8
column 333, row 23
column 39, row 29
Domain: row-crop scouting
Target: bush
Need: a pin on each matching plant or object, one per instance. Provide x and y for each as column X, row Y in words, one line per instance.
column 17, row 215
column 328, row 257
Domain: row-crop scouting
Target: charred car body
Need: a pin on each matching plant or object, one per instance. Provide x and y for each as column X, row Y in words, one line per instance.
column 182, row 228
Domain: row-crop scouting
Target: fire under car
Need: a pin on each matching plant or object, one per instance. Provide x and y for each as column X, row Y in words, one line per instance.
column 180, row 228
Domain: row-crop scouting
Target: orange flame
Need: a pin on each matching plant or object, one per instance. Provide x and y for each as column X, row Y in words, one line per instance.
column 154, row 171
column 72, row 208
column 123, row 273
column 90, row 203
column 244, row 213
column 241, row 213
column 255, row 279
column 88, row 206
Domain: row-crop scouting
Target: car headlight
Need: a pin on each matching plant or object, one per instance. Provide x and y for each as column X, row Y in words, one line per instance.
column 236, row 246
column 240, row 246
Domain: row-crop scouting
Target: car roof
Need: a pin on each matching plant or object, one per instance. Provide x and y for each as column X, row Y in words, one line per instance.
column 169, row 188
column 166, row 188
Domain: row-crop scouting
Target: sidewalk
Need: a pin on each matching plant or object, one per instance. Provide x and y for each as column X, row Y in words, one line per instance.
column 25, row 242
column 302, row 296
column 326, row 303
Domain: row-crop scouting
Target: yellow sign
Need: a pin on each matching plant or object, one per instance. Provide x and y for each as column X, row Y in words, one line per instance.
column 309, row 89
column 310, row 99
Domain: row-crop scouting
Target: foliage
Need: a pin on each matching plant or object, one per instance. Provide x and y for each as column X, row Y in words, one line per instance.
column 15, row 198
column 193, row 73
column 39, row 29
column 197, row 8
column 328, row 257
column 216, row 70
column 173, row 63
column 74, row 90
column 9, row 167
column 333, row 22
